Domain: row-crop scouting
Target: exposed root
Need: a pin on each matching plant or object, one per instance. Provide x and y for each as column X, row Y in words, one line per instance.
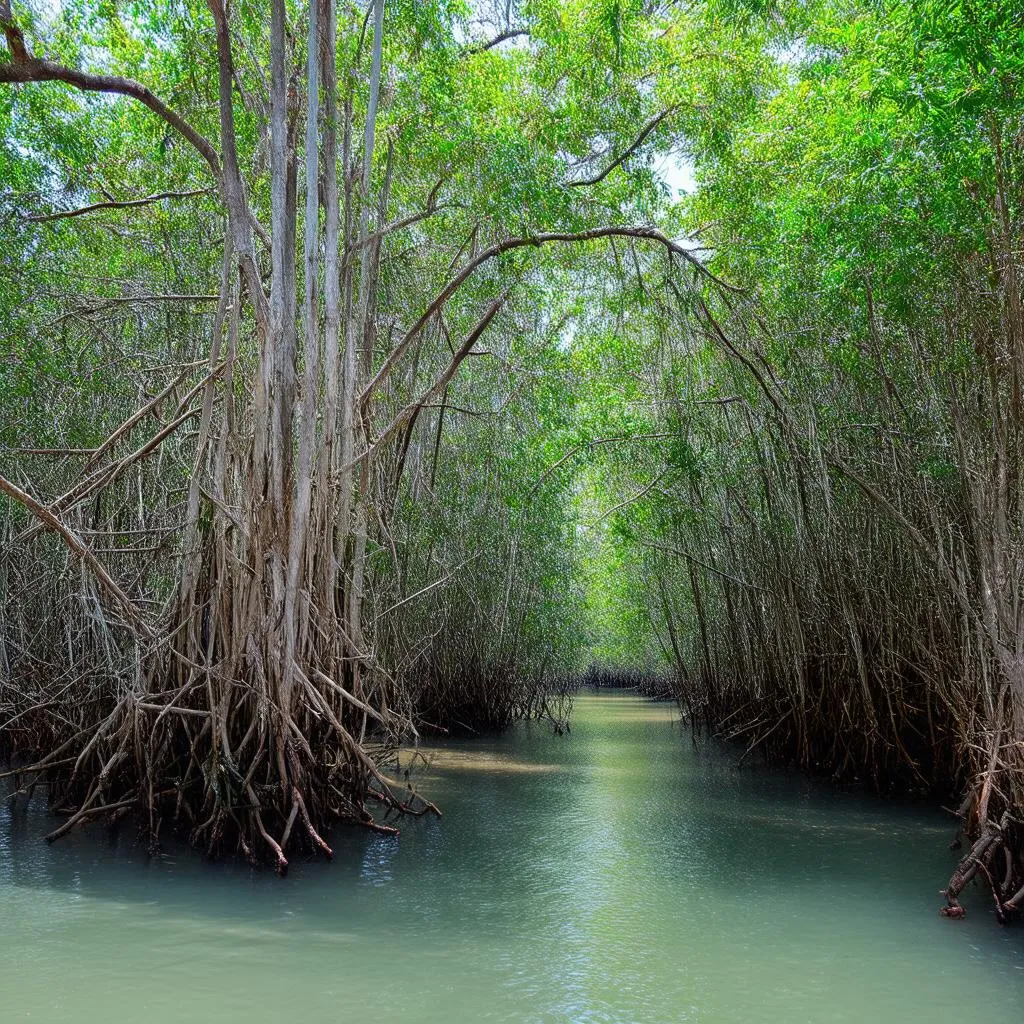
column 1003, row 875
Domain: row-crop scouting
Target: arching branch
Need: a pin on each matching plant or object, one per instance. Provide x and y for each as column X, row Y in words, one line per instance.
column 408, row 416
column 24, row 68
column 508, row 245
column 111, row 204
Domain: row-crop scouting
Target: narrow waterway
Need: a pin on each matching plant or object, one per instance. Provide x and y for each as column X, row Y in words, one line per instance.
column 615, row 874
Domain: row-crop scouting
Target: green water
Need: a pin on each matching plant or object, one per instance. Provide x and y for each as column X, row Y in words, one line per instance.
column 614, row 874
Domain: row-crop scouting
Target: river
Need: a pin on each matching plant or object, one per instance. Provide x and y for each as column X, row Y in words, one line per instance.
column 614, row 874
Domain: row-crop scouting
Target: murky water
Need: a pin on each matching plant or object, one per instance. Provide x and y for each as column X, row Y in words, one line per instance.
column 611, row 875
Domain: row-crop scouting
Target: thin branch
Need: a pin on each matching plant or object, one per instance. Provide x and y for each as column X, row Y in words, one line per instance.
column 510, row 244
column 489, row 44
column 122, row 299
column 52, row 451
column 629, row 501
column 428, row 211
column 412, row 411
column 427, row 589
column 629, row 151
column 80, row 548
column 682, row 553
column 41, row 218
column 593, row 444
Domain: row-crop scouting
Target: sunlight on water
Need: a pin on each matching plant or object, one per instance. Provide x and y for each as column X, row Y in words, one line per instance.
column 611, row 875
column 428, row 760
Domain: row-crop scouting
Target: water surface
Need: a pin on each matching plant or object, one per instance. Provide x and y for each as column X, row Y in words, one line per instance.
column 616, row 874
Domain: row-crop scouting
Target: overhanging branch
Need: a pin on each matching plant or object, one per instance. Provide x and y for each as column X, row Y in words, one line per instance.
column 510, row 244
column 128, row 204
column 25, row 68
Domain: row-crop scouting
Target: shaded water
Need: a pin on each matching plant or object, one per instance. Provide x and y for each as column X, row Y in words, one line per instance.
column 611, row 875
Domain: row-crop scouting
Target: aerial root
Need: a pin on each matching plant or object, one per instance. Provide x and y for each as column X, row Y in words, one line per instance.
column 1004, row 874
column 225, row 765
column 301, row 804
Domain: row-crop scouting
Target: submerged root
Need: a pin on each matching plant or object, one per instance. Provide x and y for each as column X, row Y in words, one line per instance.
column 997, row 857
column 916, row 747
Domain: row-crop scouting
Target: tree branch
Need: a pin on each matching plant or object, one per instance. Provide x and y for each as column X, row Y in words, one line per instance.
column 410, row 413
column 79, row 547
column 32, row 69
column 397, row 225
column 41, row 218
column 593, row 444
column 25, row 68
column 15, row 40
column 501, row 37
column 509, row 244
column 629, row 151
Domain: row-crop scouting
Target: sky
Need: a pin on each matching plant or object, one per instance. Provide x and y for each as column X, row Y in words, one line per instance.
column 677, row 172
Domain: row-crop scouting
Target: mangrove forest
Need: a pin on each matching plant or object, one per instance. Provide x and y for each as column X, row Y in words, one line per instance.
column 401, row 399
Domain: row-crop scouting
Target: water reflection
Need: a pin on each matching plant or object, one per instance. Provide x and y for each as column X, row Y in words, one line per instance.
column 615, row 874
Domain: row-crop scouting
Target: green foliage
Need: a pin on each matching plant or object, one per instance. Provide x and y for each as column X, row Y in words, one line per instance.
column 849, row 156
